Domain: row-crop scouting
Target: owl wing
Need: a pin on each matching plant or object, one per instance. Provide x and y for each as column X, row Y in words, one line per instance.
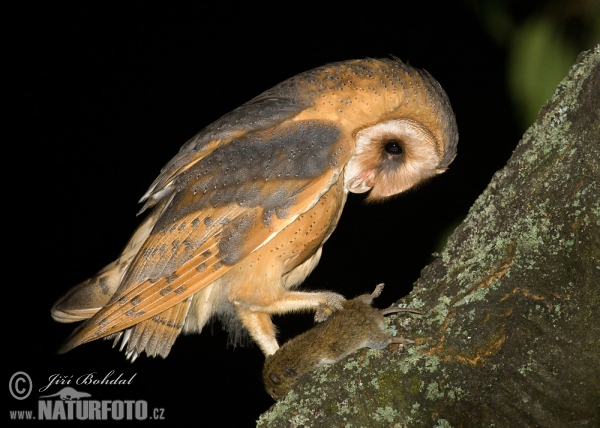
column 220, row 200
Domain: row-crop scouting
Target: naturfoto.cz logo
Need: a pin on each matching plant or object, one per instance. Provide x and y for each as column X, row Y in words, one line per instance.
column 69, row 403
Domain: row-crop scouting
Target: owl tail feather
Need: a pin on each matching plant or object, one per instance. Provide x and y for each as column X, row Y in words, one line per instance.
column 154, row 336
column 88, row 297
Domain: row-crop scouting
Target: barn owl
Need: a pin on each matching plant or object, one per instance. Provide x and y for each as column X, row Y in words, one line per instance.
column 238, row 218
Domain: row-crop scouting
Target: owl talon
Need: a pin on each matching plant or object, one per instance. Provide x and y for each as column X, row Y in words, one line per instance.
column 333, row 302
column 322, row 313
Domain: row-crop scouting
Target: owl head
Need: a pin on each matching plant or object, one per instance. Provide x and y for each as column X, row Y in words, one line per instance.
column 413, row 139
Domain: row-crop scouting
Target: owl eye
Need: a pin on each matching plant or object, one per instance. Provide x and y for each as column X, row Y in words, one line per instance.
column 393, row 148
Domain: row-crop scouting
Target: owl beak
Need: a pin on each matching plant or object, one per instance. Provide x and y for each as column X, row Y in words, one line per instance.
column 362, row 183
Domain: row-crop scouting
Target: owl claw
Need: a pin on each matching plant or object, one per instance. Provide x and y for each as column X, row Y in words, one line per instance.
column 333, row 302
column 322, row 313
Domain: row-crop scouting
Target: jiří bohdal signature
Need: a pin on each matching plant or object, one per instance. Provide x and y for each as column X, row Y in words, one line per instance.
column 92, row 378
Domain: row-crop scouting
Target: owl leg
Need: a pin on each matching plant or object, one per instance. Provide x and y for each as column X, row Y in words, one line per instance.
column 323, row 302
column 261, row 329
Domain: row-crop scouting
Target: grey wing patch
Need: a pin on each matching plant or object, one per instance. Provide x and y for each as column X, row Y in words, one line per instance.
column 255, row 115
column 259, row 113
column 244, row 171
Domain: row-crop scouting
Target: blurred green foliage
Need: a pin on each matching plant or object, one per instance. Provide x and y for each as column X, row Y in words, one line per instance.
column 542, row 40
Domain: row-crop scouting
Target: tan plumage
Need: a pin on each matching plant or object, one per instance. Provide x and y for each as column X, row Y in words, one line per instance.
column 239, row 216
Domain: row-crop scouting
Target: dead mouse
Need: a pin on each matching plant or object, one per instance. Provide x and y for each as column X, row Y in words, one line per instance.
column 358, row 325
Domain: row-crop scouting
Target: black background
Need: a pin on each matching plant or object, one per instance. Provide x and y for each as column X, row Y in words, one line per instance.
column 102, row 95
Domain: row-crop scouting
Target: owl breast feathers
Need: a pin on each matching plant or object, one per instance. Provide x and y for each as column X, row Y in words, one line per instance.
column 237, row 219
